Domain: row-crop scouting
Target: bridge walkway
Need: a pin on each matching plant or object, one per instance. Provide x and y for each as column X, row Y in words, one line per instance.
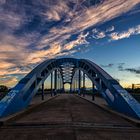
column 68, row 117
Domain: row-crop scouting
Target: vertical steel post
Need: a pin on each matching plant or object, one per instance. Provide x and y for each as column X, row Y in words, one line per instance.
column 76, row 83
column 51, row 83
column 93, row 90
column 79, row 82
column 70, row 87
column 83, row 80
column 58, row 81
column 84, row 84
column 61, row 86
column 73, row 85
column 42, row 93
column 55, row 82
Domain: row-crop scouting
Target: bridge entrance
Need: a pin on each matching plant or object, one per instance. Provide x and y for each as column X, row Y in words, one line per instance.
column 71, row 71
column 67, row 88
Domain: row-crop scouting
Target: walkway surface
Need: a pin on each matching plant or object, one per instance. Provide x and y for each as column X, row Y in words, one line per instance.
column 68, row 117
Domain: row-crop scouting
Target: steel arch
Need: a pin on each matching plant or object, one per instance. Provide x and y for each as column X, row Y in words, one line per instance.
column 21, row 95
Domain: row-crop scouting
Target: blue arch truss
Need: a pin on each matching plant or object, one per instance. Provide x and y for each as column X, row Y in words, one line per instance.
column 116, row 97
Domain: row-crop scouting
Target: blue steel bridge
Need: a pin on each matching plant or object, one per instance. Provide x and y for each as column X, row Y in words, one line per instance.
column 68, row 68
column 115, row 114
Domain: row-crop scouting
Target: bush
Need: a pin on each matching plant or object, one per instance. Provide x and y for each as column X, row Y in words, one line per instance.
column 3, row 88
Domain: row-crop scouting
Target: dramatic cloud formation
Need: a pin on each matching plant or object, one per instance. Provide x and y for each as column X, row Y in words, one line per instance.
column 125, row 34
column 32, row 31
column 98, row 34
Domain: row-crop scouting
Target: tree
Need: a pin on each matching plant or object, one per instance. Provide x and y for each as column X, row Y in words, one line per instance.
column 3, row 88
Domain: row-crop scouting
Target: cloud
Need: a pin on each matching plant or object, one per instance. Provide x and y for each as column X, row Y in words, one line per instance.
column 94, row 30
column 86, row 19
column 108, row 65
column 121, row 66
column 8, row 81
column 37, row 30
column 133, row 70
column 125, row 34
column 10, row 21
column 110, row 29
column 81, row 40
column 99, row 35
column 38, row 55
column 56, row 10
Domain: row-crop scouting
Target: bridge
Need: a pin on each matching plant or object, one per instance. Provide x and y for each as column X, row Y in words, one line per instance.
column 116, row 97
column 71, row 113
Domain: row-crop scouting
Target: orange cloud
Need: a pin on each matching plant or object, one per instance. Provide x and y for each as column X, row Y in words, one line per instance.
column 8, row 81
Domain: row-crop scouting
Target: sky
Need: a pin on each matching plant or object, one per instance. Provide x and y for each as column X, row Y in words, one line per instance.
column 106, row 32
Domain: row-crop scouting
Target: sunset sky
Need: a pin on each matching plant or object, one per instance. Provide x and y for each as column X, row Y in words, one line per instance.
column 104, row 31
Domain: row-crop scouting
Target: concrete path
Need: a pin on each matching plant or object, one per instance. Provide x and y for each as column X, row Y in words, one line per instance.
column 68, row 117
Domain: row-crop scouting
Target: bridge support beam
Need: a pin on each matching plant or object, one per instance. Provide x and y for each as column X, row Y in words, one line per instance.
column 58, row 82
column 84, row 84
column 70, row 87
column 55, row 82
column 93, row 91
column 73, row 86
column 76, row 83
column 42, row 93
column 84, row 79
column 79, row 82
column 51, row 83
column 63, row 88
